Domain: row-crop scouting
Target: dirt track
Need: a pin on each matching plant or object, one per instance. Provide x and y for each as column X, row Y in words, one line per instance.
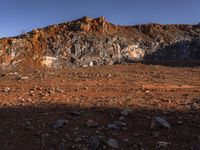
column 31, row 100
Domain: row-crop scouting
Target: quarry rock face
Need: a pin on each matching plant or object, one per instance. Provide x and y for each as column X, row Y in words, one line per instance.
column 89, row 42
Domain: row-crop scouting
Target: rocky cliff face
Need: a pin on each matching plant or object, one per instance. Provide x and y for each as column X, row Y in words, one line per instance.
column 89, row 42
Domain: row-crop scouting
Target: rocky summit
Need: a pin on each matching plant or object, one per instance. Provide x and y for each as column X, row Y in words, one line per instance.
column 89, row 42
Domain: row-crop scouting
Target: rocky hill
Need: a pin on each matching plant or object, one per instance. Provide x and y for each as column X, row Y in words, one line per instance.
column 89, row 42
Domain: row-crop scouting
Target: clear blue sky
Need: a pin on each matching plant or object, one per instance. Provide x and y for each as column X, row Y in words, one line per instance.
column 24, row 15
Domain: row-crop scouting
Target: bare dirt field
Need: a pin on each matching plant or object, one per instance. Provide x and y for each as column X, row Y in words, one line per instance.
column 110, row 107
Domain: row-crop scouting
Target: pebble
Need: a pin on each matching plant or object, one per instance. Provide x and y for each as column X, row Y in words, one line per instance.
column 113, row 127
column 91, row 123
column 59, row 123
column 125, row 111
column 109, row 75
column 113, row 143
column 28, row 126
column 158, row 121
column 24, row 78
column 75, row 113
column 162, row 144
column 6, row 89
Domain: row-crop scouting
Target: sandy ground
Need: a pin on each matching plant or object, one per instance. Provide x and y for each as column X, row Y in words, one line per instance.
column 99, row 104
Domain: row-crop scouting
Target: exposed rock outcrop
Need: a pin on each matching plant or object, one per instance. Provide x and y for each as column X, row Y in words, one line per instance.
column 88, row 42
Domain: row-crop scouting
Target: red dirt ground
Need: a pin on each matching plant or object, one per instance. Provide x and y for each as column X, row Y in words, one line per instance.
column 31, row 100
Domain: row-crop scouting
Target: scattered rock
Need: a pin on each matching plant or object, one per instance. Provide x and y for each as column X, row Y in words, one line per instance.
column 59, row 123
column 113, row 143
column 156, row 134
column 28, row 126
column 120, row 123
column 94, row 142
column 162, row 144
column 6, row 89
column 109, row 75
column 113, row 127
column 126, row 111
column 158, row 121
column 180, row 122
column 24, row 78
column 91, row 123
column 75, row 113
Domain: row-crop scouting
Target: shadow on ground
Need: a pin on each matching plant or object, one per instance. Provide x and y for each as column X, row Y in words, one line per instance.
column 30, row 127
